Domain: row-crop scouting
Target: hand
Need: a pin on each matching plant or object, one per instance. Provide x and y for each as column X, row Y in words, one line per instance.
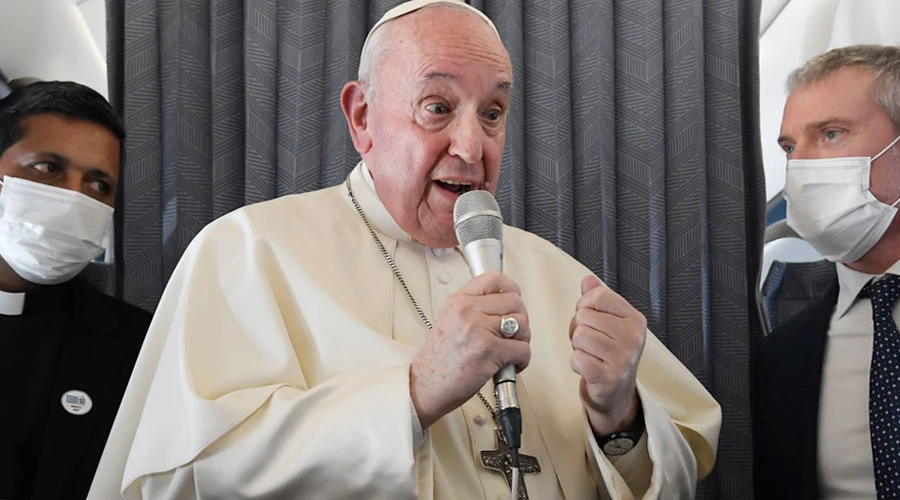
column 608, row 337
column 466, row 348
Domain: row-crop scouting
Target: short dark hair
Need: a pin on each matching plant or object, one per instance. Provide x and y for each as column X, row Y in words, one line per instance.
column 63, row 98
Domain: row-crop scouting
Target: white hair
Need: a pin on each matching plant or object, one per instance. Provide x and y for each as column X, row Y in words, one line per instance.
column 379, row 42
column 371, row 57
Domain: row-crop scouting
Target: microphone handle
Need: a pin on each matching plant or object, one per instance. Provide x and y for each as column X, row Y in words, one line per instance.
column 505, row 388
column 484, row 255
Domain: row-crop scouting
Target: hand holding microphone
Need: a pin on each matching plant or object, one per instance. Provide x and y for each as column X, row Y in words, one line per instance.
column 467, row 346
column 481, row 332
column 479, row 229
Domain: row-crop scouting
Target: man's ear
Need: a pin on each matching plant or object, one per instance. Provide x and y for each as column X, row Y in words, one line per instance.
column 356, row 111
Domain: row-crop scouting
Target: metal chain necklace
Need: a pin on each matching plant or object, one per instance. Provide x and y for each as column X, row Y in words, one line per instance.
column 396, row 270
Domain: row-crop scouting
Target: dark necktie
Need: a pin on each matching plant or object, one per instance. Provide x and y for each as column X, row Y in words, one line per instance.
column 884, row 387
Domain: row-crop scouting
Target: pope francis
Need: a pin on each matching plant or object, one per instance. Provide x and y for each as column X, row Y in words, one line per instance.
column 334, row 344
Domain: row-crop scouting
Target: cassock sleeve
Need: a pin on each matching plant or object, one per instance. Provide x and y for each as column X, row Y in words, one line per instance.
column 238, row 394
column 670, row 457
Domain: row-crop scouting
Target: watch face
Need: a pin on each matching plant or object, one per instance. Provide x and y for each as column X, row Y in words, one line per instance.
column 618, row 446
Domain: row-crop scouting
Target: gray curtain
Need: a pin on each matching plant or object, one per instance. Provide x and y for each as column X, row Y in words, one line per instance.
column 633, row 144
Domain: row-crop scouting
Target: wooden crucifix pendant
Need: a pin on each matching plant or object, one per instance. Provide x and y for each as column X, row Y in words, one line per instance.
column 500, row 460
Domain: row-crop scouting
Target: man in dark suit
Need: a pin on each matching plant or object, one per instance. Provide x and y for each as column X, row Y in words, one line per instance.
column 826, row 384
column 66, row 351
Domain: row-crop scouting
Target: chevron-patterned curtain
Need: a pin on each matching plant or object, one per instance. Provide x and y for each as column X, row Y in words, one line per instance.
column 633, row 144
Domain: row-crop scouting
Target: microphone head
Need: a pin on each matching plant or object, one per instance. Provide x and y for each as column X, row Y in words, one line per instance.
column 476, row 216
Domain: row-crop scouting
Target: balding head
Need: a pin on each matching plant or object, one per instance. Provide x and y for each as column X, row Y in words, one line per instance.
column 381, row 37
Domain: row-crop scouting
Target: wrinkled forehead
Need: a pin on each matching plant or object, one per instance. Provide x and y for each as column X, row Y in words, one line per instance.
column 415, row 5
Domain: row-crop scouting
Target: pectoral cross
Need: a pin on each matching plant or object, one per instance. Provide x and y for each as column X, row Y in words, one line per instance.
column 500, row 460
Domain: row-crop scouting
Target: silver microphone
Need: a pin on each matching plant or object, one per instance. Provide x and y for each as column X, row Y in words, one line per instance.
column 479, row 229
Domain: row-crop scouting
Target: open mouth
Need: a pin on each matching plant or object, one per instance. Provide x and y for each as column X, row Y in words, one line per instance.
column 457, row 187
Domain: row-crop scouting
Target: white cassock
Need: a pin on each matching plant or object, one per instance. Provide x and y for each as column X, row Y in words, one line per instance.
column 277, row 366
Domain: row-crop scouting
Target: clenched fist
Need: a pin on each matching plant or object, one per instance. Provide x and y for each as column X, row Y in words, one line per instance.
column 608, row 337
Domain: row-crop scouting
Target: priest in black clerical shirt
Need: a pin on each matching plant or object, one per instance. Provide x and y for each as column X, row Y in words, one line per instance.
column 66, row 350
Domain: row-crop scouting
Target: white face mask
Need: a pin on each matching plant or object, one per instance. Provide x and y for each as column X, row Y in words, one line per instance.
column 49, row 234
column 830, row 206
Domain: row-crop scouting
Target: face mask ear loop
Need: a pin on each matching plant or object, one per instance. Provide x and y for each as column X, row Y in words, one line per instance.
column 885, row 150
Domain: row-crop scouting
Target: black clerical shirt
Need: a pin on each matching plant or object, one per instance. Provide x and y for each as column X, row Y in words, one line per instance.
column 68, row 340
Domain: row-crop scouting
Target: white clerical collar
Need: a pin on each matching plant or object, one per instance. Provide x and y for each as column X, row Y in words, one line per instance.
column 852, row 282
column 364, row 191
column 11, row 304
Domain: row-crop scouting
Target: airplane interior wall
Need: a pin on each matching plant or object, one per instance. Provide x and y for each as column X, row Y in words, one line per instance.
column 66, row 39
column 53, row 40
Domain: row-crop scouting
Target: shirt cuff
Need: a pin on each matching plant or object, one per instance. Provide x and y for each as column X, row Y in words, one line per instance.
column 635, row 467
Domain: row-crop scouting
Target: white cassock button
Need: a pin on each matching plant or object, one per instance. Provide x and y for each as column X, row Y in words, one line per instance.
column 444, row 278
column 480, row 420
column 76, row 402
column 439, row 252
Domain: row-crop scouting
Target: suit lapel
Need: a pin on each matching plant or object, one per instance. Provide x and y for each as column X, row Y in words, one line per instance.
column 806, row 352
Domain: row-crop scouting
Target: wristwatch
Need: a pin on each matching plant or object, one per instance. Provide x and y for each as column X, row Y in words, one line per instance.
column 620, row 443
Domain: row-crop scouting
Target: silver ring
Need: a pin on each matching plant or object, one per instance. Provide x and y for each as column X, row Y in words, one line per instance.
column 509, row 326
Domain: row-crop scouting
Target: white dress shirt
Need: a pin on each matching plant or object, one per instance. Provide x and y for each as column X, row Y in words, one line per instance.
column 845, row 450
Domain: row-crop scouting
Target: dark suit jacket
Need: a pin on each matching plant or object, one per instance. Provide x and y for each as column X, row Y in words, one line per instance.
column 786, row 378
column 96, row 352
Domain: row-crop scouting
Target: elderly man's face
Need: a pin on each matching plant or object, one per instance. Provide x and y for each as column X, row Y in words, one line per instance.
column 437, row 123
column 836, row 117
